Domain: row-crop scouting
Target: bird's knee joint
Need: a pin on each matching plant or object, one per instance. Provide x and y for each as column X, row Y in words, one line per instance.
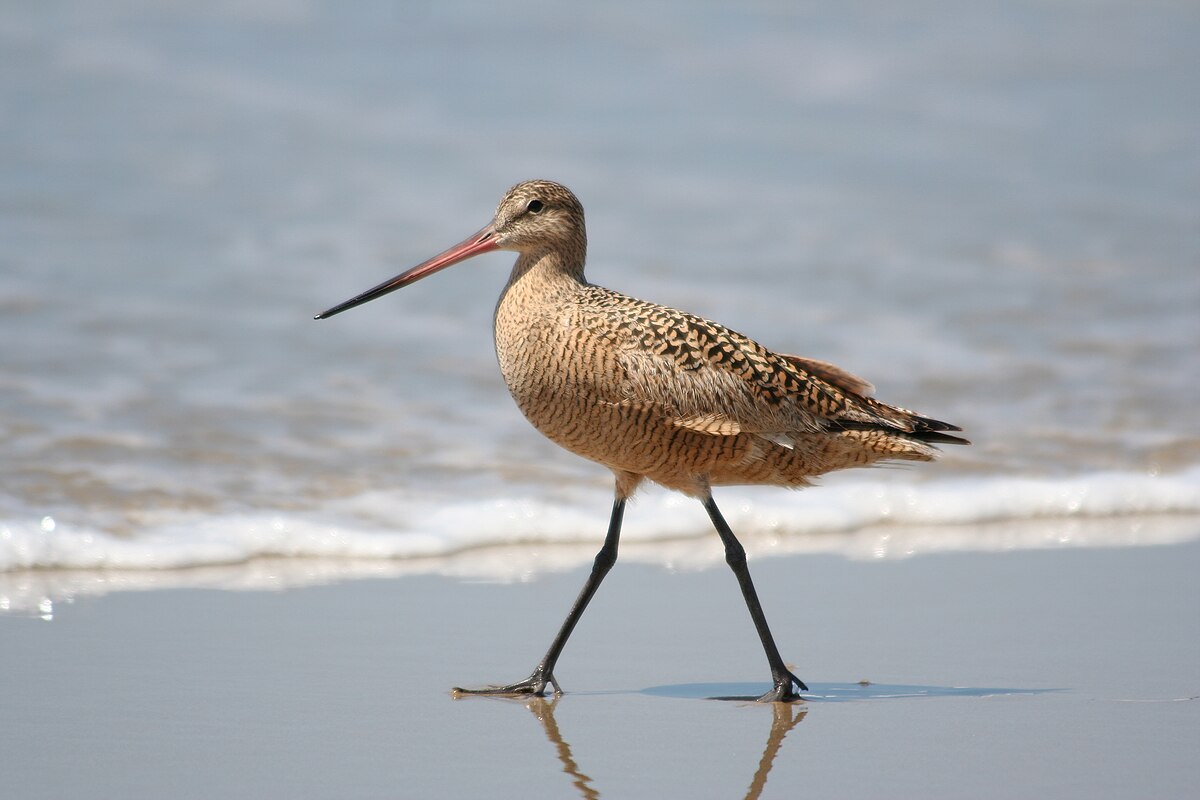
column 603, row 562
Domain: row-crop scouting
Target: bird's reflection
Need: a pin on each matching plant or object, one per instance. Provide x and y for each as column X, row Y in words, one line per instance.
column 543, row 709
column 785, row 716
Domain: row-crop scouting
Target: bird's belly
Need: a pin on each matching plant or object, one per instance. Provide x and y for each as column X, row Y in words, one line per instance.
column 642, row 441
column 621, row 437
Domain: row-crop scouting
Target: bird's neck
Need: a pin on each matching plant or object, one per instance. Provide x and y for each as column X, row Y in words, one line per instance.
column 544, row 275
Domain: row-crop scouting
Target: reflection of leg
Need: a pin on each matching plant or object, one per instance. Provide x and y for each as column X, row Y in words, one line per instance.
column 544, row 710
column 735, row 556
column 543, row 673
column 786, row 717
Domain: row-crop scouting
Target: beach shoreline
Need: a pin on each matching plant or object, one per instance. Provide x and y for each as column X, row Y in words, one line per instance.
column 1064, row 661
column 38, row 592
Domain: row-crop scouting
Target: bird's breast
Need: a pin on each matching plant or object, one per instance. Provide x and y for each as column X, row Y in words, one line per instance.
column 567, row 380
column 544, row 354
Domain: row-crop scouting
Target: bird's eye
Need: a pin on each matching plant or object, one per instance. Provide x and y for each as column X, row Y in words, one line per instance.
column 535, row 207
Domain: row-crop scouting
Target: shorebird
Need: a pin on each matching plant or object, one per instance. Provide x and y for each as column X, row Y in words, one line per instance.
column 657, row 394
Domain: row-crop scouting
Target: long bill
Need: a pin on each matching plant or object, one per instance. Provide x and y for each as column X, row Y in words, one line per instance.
column 481, row 242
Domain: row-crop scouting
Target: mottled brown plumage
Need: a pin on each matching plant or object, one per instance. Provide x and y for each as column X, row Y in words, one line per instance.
column 652, row 392
column 655, row 393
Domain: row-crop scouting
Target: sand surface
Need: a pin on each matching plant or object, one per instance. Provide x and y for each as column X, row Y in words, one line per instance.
column 1059, row 673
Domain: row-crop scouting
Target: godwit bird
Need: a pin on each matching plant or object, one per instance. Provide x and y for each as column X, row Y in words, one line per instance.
column 654, row 393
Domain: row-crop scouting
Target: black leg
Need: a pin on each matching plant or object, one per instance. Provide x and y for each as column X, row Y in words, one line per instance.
column 543, row 673
column 735, row 556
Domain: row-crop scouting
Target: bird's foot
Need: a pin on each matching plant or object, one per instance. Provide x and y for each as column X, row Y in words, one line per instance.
column 782, row 691
column 534, row 685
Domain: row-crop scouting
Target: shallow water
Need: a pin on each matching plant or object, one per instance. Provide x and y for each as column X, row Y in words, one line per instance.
column 990, row 212
column 1077, row 666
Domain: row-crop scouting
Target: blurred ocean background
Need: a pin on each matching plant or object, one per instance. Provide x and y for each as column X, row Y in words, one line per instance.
column 989, row 210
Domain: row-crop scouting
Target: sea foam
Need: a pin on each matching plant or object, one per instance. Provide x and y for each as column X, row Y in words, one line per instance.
column 45, row 564
column 384, row 525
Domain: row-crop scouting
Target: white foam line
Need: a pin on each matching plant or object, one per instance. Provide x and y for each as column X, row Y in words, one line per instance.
column 391, row 526
column 42, row 592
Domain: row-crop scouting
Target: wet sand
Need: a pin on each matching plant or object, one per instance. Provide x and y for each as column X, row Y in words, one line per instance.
column 1056, row 673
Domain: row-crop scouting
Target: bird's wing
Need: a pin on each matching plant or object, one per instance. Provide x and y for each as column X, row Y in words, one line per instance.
column 833, row 374
column 710, row 379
